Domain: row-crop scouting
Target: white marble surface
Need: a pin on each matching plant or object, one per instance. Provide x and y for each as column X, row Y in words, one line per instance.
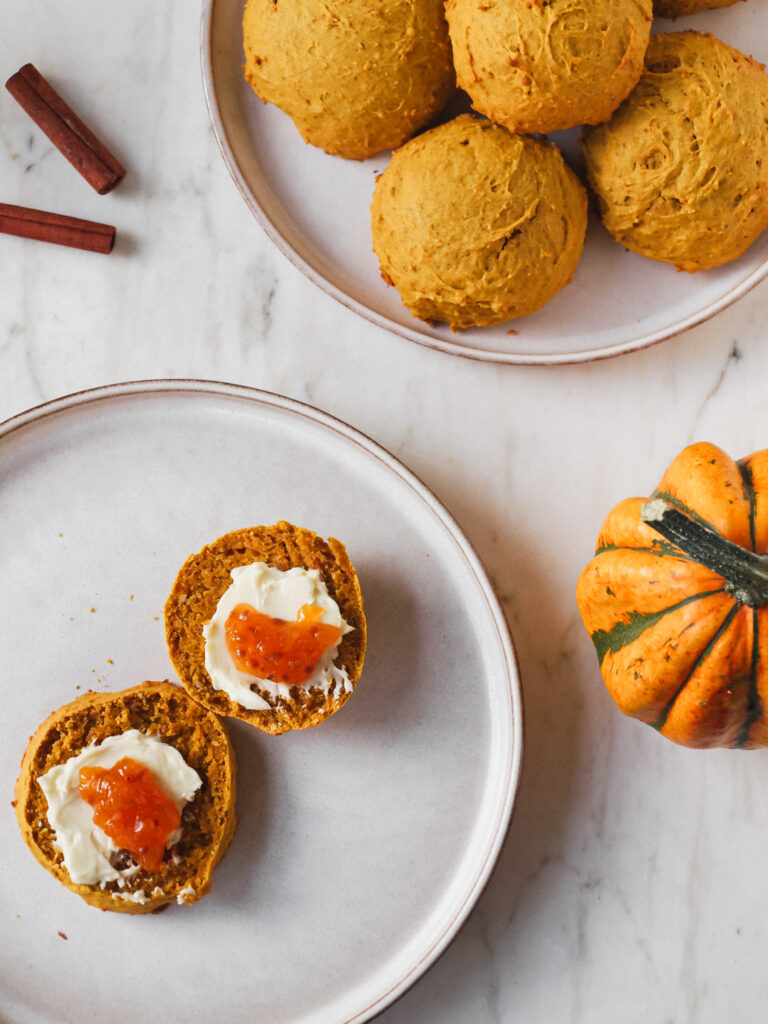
column 631, row 887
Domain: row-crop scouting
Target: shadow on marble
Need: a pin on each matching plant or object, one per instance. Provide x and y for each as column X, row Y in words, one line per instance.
column 126, row 244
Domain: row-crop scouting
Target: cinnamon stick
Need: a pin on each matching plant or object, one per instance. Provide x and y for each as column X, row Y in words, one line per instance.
column 64, row 128
column 56, row 228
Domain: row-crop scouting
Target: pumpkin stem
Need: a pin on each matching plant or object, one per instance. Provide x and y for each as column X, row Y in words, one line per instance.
column 745, row 572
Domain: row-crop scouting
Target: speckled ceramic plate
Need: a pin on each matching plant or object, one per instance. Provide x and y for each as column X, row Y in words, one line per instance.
column 314, row 207
column 362, row 844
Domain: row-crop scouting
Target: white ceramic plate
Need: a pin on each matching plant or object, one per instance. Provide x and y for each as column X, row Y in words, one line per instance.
column 314, row 207
column 362, row 845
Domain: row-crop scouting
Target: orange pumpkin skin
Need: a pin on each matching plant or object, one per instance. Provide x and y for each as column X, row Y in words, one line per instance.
column 683, row 646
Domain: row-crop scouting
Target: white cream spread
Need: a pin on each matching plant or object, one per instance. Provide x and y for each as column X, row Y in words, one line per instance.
column 140, row 896
column 133, row 897
column 280, row 595
column 87, row 850
column 186, row 895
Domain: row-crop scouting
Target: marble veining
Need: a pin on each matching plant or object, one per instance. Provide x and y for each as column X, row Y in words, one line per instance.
column 631, row 887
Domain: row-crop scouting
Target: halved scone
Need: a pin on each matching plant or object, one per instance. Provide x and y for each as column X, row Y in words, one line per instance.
column 248, row 619
column 184, row 753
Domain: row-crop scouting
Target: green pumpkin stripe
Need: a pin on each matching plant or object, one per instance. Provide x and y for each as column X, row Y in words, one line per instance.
column 749, row 494
column 609, row 641
column 682, row 507
column 663, row 548
column 661, row 720
column 755, row 705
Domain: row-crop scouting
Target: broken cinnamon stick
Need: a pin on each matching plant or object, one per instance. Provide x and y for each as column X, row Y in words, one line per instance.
column 64, row 128
column 56, row 228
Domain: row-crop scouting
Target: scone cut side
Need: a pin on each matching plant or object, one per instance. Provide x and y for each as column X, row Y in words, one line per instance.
column 205, row 577
column 164, row 710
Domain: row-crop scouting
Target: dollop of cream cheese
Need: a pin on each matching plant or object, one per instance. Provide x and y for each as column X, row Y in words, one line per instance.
column 279, row 594
column 86, row 849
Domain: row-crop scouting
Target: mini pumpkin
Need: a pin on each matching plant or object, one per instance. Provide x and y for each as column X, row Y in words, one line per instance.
column 676, row 601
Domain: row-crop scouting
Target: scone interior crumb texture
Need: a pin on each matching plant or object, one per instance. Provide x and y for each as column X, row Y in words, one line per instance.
column 681, row 170
column 475, row 225
column 205, row 577
column 542, row 65
column 208, row 822
column 355, row 77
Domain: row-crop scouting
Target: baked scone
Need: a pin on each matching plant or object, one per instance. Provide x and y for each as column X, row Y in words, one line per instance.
column 355, row 77
column 681, row 169
column 266, row 624
column 677, row 8
column 158, row 726
column 541, row 65
column 475, row 225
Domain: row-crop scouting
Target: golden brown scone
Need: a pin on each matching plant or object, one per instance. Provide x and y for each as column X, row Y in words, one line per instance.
column 474, row 225
column 541, row 65
column 681, row 170
column 208, row 821
column 677, row 8
column 355, row 77
column 205, row 577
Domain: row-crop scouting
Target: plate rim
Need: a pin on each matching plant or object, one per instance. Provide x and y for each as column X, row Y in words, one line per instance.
column 516, row 724
column 456, row 348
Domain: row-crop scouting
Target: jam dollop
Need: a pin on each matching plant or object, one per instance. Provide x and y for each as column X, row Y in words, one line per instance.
column 280, row 650
column 131, row 809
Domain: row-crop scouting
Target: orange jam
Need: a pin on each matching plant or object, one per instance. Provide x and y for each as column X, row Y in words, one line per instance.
column 277, row 649
column 132, row 809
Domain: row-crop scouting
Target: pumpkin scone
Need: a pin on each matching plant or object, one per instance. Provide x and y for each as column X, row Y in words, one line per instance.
column 678, row 8
column 355, row 77
column 128, row 799
column 475, row 225
column 681, row 169
column 676, row 601
column 266, row 624
column 542, row 65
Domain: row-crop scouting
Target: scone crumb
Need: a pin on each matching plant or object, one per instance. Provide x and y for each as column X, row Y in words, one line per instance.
column 198, row 735
column 205, row 577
